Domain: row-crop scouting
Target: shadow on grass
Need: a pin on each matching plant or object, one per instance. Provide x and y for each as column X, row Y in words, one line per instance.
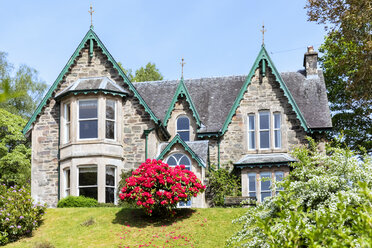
column 137, row 218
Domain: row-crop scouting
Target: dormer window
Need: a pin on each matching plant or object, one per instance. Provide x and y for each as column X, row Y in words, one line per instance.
column 88, row 119
column 183, row 128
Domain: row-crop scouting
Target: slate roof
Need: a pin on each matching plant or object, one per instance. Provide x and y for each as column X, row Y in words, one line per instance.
column 92, row 84
column 200, row 148
column 214, row 97
column 272, row 158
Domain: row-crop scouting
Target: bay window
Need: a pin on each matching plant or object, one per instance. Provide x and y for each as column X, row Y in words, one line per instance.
column 110, row 184
column 251, row 132
column 279, row 175
column 277, row 132
column 88, row 119
column 252, row 184
column 67, row 182
column 110, row 119
column 67, row 120
column 265, row 185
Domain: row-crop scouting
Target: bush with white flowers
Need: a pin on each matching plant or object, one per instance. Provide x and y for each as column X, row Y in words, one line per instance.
column 326, row 202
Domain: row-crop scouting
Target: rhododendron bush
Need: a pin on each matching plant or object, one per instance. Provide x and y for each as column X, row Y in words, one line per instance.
column 155, row 186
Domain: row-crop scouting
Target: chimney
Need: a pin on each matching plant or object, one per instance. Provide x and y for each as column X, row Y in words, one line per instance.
column 310, row 62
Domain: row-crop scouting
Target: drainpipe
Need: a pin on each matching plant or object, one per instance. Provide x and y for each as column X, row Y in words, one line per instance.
column 58, row 154
column 146, row 133
column 218, row 148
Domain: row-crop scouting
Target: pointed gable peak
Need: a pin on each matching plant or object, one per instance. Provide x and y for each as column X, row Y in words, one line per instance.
column 180, row 92
column 263, row 56
column 90, row 37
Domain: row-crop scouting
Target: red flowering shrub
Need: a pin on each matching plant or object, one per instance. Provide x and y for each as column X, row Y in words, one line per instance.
column 155, row 186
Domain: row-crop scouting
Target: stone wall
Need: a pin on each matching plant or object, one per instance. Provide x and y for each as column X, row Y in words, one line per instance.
column 263, row 93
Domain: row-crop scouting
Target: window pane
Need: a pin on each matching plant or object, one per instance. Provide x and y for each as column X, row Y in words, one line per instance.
column 185, row 136
column 87, row 176
column 183, row 123
column 67, row 178
column 252, row 140
column 110, row 176
column 264, row 139
column 252, row 194
column 277, row 138
column 110, row 109
column 110, row 195
column 279, row 177
column 88, row 109
column 252, row 182
column 264, row 120
column 67, row 112
column 171, row 161
column 177, row 156
column 276, row 120
column 185, row 161
column 67, row 133
column 110, row 130
column 89, row 192
column 251, row 122
column 265, row 181
column 264, row 195
column 88, row 129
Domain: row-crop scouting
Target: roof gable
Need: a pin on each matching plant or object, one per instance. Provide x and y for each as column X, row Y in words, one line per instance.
column 175, row 140
column 180, row 92
column 265, row 58
column 90, row 36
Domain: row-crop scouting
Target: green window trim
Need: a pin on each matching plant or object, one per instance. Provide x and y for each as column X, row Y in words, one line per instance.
column 90, row 36
column 175, row 140
column 264, row 56
column 182, row 91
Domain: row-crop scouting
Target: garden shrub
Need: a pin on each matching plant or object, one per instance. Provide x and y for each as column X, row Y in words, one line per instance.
column 222, row 182
column 157, row 187
column 326, row 202
column 18, row 213
column 77, row 202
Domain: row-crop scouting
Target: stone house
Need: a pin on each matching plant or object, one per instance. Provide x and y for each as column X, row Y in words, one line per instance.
column 93, row 123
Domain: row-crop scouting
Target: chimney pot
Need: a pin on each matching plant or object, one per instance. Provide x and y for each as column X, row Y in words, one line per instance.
column 311, row 62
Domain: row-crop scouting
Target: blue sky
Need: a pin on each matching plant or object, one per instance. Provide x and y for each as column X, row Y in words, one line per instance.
column 216, row 38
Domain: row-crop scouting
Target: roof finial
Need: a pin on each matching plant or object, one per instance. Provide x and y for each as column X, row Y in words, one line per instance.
column 182, row 64
column 91, row 11
column 263, row 30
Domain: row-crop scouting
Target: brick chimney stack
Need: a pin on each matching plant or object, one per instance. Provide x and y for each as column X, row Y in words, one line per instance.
column 310, row 61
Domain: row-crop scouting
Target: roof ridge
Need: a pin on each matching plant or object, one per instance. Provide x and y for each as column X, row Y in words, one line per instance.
column 189, row 79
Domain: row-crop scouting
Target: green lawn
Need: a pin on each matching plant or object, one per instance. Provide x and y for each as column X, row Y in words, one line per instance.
column 116, row 227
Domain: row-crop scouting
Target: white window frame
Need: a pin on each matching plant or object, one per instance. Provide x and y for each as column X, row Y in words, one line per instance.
column 278, row 129
column 87, row 119
column 112, row 120
column 263, row 130
column 67, row 186
column 109, row 186
column 85, row 186
column 183, row 130
column 263, row 175
column 178, row 163
column 67, row 124
column 255, row 184
column 252, row 132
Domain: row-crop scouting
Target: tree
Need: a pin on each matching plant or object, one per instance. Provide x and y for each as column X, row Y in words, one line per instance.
column 143, row 74
column 347, row 66
column 326, row 202
column 21, row 92
column 15, row 152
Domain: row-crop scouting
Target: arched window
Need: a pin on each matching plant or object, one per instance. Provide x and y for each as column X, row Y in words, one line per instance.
column 183, row 128
column 178, row 159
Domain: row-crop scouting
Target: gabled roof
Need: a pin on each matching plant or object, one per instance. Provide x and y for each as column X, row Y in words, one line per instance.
column 90, row 36
column 177, row 140
column 180, row 92
column 265, row 58
column 93, row 85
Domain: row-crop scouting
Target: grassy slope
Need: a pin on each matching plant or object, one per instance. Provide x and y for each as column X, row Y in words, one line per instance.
column 116, row 227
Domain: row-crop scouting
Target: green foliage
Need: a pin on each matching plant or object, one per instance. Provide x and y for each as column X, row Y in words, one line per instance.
column 222, row 182
column 147, row 73
column 124, row 175
column 347, row 66
column 15, row 152
column 18, row 214
column 326, row 202
column 77, row 202
column 19, row 94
